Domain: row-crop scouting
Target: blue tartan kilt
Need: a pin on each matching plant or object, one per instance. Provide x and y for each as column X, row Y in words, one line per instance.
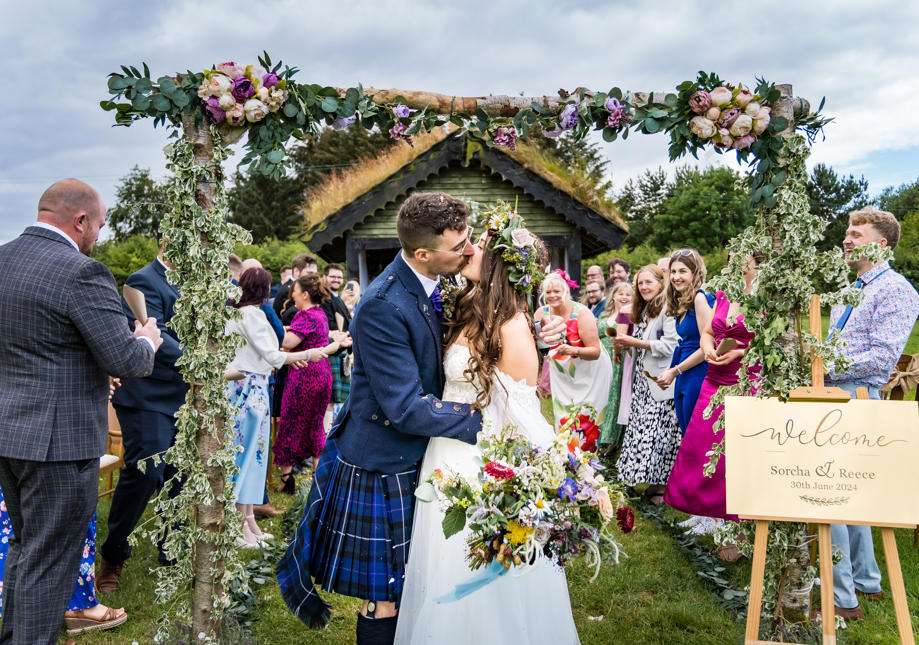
column 353, row 538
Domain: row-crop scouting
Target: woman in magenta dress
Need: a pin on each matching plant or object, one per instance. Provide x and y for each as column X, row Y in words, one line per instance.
column 309, row 388
column 688, row 490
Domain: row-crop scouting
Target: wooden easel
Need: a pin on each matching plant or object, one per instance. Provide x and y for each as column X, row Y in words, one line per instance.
column 818, row 392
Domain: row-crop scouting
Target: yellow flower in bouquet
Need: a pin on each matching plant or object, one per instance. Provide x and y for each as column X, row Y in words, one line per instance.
column 517, row 533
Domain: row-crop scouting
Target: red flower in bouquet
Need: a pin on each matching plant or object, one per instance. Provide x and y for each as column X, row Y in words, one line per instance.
column 625, row 518
column 591, row 432
column 498, row 471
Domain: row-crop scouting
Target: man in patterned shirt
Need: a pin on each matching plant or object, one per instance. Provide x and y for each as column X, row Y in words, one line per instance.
column 876, row 331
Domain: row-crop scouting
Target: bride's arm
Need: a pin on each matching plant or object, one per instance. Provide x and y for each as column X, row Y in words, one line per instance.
column 519, row 359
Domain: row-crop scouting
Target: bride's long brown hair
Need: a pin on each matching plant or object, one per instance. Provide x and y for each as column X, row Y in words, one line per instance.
column 480, row 313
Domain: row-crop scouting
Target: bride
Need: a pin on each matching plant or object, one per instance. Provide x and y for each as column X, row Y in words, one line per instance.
column 491, row 360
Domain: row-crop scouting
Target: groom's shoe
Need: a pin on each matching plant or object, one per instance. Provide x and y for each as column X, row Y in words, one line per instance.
column 376, row 631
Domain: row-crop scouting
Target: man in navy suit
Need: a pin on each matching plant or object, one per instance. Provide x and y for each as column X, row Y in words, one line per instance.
column 355, row 537
column 146, row 410
column 62, row 334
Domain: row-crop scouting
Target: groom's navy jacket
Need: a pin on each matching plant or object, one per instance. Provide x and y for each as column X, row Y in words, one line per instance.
column 398, row 378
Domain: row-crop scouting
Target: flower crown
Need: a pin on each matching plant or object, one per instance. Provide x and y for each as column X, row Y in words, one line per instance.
column 517, row 246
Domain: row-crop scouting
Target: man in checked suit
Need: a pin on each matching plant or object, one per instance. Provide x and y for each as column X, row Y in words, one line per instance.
column 62, row 334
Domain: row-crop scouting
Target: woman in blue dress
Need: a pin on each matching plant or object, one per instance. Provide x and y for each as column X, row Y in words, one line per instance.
column 692, row 308
column 84, row 612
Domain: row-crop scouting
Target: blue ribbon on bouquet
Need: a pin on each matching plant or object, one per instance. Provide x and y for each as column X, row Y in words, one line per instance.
column 491, row 573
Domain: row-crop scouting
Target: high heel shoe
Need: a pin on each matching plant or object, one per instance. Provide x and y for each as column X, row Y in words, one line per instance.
column 288, row 484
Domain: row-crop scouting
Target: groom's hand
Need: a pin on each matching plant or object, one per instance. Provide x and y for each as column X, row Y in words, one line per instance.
column 552, row 330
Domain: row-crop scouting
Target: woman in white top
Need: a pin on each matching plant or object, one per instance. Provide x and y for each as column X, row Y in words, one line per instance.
column 255, row 360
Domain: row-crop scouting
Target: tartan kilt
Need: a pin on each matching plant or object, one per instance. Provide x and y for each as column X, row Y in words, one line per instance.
column 353, row 538
column 341, row 382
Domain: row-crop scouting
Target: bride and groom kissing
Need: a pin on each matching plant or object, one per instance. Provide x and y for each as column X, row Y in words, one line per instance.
column 415, row 407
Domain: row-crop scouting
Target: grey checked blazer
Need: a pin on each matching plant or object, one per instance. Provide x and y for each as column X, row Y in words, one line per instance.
column 62, row 333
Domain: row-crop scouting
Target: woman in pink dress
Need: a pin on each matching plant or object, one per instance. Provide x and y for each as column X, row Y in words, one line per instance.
column 688, row 490
column 308, row 389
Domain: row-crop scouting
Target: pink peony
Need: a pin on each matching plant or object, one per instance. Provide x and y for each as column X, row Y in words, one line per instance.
column 743, row 98
column 700, row 102
column 724, row 138
column 728, row 117
column 744, row 142
column 231, row 69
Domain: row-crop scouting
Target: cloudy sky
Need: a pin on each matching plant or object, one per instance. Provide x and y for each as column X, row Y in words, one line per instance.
column 863, row 57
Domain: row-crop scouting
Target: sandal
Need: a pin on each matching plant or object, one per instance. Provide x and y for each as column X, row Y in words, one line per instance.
column 288, row 484
column 78, row 622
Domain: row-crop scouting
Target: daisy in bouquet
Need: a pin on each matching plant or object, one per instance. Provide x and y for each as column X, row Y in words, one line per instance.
column 528, row 503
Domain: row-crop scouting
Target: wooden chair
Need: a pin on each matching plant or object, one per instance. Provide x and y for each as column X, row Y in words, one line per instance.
column 113, row 459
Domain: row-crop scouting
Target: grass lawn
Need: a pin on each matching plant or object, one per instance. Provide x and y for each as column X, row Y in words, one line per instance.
column 653, row 596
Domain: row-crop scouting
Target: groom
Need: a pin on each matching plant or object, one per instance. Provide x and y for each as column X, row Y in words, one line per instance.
column 354, row 537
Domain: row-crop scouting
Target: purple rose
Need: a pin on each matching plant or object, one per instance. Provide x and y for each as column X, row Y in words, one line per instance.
column 569, row 117
column 700, row 102
column 401, row 111
column 618, row 113
column 728, row 117
column 343, row 122
column 214, row 111
column 506, row 137
column 743, row 142
column 270, row 79
column 242, row 89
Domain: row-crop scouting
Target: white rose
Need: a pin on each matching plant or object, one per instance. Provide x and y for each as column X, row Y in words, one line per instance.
column 713, row 113
column 522, row 237
column 742, row 125
column 743, row 98
column 255, row 110
column 721, row 96
column 204, row 90
column 752, row 108
column 236, row 115
column 226, row 101
column 760, row 123
column 276, row 99
column 255, row 73
column 702, row 127
column 725, row 138
column 262, row 94
column 219, row 84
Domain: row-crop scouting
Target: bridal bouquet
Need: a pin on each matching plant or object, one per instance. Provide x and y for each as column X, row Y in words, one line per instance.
column 527, row 503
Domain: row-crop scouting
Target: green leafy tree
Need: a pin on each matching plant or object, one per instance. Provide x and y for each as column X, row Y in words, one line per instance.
column 900, row 201
column 640, row 202
column 832, row 198
column 124, row 257
column 704, row 209
column 140, row 205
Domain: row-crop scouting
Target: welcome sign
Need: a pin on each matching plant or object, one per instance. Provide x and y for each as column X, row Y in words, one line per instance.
column 848, row 462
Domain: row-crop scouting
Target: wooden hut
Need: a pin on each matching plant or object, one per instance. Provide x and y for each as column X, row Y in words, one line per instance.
column 352, row 219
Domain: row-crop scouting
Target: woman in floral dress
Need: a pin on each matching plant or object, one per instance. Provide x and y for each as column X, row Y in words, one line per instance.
column 308, row 389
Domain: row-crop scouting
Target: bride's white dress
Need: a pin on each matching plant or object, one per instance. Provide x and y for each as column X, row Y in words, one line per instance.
column 532, row 607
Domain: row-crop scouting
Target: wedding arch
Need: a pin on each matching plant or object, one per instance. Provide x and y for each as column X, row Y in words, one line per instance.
column 206, row 112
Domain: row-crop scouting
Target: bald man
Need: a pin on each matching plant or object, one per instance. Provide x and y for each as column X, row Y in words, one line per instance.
column 62, row 335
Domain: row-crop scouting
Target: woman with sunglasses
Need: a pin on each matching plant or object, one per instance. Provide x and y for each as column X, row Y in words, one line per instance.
column 692, row 308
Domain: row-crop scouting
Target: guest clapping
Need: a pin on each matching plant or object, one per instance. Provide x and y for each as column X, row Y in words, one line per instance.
column 582, row 370
column 250, row 395
column 652, row 436
column 692, row 309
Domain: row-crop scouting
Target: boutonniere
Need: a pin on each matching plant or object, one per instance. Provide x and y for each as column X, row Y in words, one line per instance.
column 448, row 293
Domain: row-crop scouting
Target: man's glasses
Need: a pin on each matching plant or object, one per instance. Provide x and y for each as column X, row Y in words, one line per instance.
column 462, row 250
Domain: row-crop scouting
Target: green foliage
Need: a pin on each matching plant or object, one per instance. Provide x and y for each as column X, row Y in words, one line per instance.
column 274, row 253
column 141, row 204
column 640, row 202
column 704, row 210
column 901, row 201
column 124, row 257
column 832, row 198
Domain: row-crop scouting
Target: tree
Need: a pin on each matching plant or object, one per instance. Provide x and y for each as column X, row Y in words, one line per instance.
column 704, row 209
column 270, row 208
column 125, row 256
column 900, row 201
column 832, row 198
column 640, row 202
column 140, row 205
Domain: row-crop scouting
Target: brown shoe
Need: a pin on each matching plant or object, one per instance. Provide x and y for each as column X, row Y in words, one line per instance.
column 266, row 510
column 108, row 577
column 855, row 613
column 870, row 596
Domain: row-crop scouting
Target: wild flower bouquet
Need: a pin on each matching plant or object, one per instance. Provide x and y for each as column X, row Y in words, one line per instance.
column 527, row 503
